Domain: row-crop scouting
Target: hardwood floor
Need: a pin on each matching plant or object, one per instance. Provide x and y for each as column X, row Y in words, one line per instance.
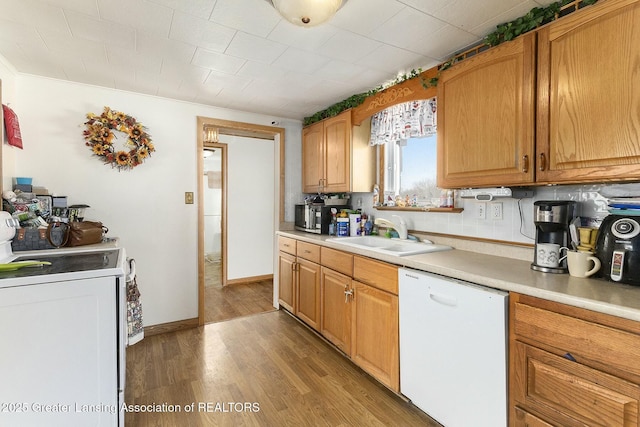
column 260, row 370
column 228, row 302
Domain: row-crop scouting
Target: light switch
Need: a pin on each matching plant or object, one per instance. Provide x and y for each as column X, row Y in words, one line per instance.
column 188, row 198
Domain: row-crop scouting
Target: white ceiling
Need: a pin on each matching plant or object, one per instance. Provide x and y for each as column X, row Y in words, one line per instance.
column 241, row 54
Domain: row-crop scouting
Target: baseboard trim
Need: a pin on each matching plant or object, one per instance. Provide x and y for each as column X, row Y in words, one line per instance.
column 253, row 279
column 163, row 328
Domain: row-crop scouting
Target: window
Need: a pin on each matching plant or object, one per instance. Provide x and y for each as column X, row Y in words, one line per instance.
column 409, row 171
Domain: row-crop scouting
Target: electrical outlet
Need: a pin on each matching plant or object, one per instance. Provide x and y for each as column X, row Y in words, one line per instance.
column 496, row 210
column 481, row 210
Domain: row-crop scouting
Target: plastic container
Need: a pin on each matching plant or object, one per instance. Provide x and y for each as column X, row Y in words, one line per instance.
column 354, row 224
column 343, row 227
column 23, row 180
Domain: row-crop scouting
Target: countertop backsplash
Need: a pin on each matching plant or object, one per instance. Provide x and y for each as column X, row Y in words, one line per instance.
column 517, row 223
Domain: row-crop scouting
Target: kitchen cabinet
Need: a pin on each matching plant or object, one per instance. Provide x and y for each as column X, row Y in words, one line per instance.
column 375, row 335
column 336, row 156
column 558, row 105
column 570, row 366
column 336, row 309
column 359, row 312
column 486, row 118
column 299, row 279
column 375, row 339
column 286, row 273
column 588, row 126
column 308, row 284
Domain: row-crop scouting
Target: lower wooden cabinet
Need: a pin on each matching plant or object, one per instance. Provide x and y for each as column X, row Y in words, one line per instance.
column 286, row 283
column 351, row 301
column 335, row 324
column 375, row 336
column 572, row 367
column 299, row 280
column 308, row 298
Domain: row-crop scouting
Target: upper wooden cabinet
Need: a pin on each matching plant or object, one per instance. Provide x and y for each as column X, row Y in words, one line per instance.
column 336, row 156
column 589, row 95
column 587, row 105
column 486, row 118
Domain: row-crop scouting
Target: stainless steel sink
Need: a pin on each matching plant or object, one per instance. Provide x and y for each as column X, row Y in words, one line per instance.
column 387, row 246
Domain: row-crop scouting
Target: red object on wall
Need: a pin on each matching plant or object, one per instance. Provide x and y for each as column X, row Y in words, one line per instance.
column 12, row 126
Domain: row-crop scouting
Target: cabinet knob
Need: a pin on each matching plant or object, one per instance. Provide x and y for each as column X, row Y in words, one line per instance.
column 543, row 162
column 525, row 163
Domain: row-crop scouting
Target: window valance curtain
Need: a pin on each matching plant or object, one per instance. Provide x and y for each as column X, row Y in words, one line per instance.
column 412, row 119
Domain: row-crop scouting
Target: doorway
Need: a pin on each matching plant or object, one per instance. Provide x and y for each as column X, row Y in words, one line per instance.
column 244, row 291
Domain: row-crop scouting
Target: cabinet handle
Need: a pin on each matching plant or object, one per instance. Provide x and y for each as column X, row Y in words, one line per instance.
column 347, row 293
column 543, row 162
column 525, row 163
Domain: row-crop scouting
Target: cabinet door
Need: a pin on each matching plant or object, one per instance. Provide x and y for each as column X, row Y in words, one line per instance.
column 374, row 334
column 308, row 307
column 286, row 285
column 337, row 156
column 589, row 95
column 335, row 324
column 486, row 118
column 312, row 158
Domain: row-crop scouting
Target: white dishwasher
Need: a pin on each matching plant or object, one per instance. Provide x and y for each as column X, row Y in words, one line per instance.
column 453, row 349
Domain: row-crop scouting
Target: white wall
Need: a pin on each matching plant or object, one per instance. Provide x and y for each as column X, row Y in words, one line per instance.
column 144, row 207
column 8, row 75
column 250, row 212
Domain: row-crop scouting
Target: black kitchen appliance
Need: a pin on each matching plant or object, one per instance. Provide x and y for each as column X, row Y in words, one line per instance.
column 552, row 219
column 618, row 248
column 314, row 217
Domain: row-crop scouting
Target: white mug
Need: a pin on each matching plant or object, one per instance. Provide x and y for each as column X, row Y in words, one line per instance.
column 579, row 263
column 548, row 255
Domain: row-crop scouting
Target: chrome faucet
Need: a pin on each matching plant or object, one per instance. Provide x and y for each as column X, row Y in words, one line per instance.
column 401, row 228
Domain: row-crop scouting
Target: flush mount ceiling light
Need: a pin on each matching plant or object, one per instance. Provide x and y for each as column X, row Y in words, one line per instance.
column 307, row 13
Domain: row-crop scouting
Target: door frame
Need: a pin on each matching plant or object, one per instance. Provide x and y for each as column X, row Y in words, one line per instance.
column 232, row 128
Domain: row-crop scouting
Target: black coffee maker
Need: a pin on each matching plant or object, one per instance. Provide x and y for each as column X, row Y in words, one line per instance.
column 552, row 219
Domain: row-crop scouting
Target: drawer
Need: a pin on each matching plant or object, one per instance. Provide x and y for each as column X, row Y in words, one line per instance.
column 604, row 347
column 286, row 244
column 308, row 251
column 339, row 261
column 570, row 393
column 375, row 273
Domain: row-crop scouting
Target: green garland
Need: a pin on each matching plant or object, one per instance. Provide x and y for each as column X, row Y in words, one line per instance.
column 504, row 32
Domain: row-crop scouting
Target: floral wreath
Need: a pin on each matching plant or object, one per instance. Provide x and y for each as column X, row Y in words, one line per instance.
column 100, row 137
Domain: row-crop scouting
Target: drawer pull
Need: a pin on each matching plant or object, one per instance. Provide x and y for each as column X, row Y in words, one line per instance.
column 543, row 162
column 568, row 356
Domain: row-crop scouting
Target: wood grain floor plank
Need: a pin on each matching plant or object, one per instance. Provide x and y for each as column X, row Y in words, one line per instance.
column 269, row 365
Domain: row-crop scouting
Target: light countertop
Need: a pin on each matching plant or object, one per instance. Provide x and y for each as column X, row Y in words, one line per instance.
column 509, row 275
